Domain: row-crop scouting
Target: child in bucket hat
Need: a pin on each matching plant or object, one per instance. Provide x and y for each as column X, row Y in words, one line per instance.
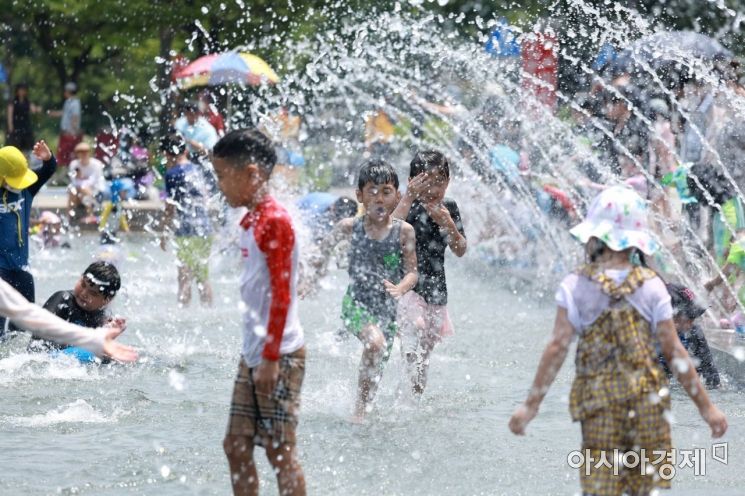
column 619, row 311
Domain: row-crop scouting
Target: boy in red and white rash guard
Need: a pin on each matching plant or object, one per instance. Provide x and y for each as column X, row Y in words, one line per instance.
column 266, row 396
column 269, row 257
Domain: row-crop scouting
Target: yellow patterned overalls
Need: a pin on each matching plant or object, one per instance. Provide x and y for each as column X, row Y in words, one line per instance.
column 616, row 395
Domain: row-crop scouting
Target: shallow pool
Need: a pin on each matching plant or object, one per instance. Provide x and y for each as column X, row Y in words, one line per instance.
column 156, row 427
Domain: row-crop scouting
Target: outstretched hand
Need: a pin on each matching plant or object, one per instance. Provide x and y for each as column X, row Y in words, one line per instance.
column 521, row 418
column 117, row 351
column 42, row 151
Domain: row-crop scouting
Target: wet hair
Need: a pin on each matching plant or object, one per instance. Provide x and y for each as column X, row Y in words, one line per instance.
column 343, row 208
column 429, row 161
column 242, row 147
column 595, row 249
column 105, row 277
column 378, row 172
column 173, row 145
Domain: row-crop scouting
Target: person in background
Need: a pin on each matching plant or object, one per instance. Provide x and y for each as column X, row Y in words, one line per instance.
column 70, row 124
column 187, row 219
column 20, row 129
column 199, row 134
column 87, row 182
column 321, row 211
column 685, row 313
column 208, row 110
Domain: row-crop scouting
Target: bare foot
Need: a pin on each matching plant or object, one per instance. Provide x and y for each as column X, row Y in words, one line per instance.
column 357, row 419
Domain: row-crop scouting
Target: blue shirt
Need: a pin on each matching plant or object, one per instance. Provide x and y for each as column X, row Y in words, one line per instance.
column 70, row 110
column 15, row 213
column 186, row 187
column 314, row 208
column 202, row 132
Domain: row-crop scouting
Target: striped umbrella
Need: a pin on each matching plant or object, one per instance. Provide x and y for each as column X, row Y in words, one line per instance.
column 229, row 67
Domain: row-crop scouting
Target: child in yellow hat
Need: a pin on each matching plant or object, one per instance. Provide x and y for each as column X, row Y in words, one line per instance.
column 18, row 186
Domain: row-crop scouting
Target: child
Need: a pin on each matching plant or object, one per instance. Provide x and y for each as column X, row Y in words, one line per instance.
column 382, row 268
column 18, row 187
column 424, row 317
column 87, row 182
column 266, row 396
column 85, row 306
column 620, row 310
column 48, row 326
column 187, row 217
column 685, row 312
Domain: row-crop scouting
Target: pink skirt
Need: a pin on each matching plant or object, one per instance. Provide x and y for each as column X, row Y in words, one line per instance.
column 417, row 316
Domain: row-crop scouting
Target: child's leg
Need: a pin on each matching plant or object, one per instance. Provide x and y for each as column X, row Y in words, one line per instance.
column 427, row 341
column 290, row 477
column 370, row 369
column 411, row 324
column 205, row 293
column 184, row 285
column 243, row 475
column 201, row 256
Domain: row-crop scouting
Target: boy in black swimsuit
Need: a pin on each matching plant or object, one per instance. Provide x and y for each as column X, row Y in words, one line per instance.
column 86, row 304
column 382, row 268
column 423, row 316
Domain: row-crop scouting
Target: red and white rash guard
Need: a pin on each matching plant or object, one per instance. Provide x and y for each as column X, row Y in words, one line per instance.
column 269, row 256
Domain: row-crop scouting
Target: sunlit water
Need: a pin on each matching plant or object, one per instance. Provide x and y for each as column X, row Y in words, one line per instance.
column 156, row 427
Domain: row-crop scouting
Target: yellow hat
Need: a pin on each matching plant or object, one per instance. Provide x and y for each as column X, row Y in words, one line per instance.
column 14, row 168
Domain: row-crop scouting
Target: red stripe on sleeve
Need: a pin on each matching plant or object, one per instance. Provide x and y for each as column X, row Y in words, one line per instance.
column 276, row 239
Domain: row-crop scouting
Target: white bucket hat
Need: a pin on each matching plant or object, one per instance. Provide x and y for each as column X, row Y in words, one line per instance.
column 618, row 218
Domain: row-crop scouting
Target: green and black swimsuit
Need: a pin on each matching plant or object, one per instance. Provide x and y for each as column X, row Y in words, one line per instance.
column 370, row 263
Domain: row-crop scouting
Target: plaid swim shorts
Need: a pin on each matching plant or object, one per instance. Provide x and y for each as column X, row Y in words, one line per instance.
column 268, row 419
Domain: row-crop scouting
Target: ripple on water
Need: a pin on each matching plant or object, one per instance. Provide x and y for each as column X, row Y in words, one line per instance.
column 79, row 411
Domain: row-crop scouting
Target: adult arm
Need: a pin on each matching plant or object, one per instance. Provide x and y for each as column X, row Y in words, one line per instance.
column 46, row 325
column 551, row 361
column 10, row 118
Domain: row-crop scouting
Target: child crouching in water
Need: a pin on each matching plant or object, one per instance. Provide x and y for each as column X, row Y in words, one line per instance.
column 382, row 268
column 619, row 310
column 423, row 314
column 85, row 305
